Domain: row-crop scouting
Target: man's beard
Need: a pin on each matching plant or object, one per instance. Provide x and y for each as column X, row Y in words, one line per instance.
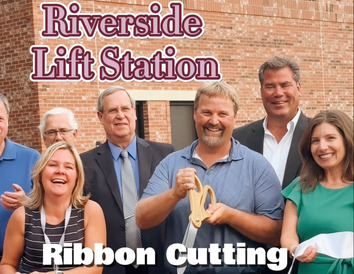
column 212, row 141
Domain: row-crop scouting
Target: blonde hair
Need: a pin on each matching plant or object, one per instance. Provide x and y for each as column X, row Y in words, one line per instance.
column 78, row 199
column 214, row 89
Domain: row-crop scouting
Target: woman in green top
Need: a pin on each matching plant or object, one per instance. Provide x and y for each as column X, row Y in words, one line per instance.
column 320, row 201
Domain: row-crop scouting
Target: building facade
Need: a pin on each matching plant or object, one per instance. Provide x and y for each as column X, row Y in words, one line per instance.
column 240, row 35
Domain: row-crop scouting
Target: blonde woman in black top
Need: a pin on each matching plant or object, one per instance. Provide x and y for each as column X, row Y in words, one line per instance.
column 57, row 212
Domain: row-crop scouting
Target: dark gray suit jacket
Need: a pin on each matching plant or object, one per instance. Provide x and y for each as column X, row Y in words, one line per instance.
column 101, row 182
column 252, row 136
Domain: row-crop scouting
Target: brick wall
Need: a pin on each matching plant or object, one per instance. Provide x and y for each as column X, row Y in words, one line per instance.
column 16, row 36
column 240, row 34
column 157, row 121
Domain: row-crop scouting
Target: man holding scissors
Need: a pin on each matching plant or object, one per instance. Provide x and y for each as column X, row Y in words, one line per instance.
column 249, row 207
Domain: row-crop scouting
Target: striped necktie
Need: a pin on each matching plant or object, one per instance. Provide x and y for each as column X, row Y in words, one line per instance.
column 130, row 199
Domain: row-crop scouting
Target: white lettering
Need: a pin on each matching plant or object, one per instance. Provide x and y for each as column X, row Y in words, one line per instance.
column 125, row 256
column 273, row 257
column 229, row 254
column 68, row 253
column 82, row 255
column 176, row 254
column 171, row 253
column 256, row 256
column 214, row 251
column 145, row 256
column 103, row 255
column 241, row 254
column 197, row 256
column 48, row 255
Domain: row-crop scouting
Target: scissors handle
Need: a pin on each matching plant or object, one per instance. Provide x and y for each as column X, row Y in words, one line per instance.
column 197, row 202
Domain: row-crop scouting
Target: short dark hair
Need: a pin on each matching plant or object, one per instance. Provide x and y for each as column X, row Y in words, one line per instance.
column 276, row 63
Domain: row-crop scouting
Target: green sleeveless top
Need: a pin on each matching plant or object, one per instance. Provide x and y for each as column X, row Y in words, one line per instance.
column 323, row 210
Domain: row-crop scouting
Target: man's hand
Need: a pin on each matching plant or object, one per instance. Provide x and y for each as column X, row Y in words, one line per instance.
column 219, row 214
column 185, row 179
column 13, row 200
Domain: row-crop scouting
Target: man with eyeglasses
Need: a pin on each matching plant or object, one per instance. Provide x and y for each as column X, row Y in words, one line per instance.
column 16, row 164
column 58, row 124
column 103, row 175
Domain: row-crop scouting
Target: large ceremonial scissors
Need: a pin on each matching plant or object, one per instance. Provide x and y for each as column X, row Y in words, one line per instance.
column 198, row 214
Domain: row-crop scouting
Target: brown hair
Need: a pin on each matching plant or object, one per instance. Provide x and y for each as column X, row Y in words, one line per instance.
column 311, row 172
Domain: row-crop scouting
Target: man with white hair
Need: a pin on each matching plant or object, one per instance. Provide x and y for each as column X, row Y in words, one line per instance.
column 58, row 124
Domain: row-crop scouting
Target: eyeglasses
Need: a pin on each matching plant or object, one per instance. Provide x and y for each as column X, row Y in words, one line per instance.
column 53, row 132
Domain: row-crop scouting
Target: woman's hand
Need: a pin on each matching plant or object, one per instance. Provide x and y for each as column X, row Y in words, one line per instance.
column 309, row 255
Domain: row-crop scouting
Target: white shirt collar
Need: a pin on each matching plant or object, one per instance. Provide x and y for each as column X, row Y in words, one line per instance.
column 290, row 126
column 277, row 152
